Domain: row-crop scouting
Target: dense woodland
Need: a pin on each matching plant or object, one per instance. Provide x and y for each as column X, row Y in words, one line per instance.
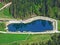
column 28, row 8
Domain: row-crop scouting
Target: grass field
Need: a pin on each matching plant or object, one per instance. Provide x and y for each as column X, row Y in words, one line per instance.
column 41, row 37
column 5, row 13
column 10, row 38
column 1, row 4
column 59, row 25
column 2, row 26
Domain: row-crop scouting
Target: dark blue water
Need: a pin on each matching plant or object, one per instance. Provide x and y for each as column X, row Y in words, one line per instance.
column 34, row 26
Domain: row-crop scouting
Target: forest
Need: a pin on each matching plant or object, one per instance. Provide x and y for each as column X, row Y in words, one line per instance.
column 29, row 8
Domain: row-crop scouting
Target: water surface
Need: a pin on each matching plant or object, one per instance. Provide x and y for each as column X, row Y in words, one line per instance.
column 34, row 26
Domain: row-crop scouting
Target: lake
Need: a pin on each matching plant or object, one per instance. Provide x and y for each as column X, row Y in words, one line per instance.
column 34, row 26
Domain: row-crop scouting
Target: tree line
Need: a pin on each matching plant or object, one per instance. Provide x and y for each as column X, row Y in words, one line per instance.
column 28, row 8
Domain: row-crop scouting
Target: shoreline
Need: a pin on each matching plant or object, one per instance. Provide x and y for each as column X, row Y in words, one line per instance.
column 30, row 20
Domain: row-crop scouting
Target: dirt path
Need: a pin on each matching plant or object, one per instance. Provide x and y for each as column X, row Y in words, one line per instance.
column 8, row 4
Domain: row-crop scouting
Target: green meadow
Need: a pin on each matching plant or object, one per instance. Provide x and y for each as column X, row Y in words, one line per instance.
column 11, row 38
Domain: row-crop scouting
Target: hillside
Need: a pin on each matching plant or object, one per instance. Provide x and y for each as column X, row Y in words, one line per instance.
column 27, row 8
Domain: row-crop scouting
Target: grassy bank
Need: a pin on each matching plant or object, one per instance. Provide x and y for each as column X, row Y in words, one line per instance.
column 2, row 26
column 1, row 4
column 10, row 38
column 5, row 13
column 59, row 25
